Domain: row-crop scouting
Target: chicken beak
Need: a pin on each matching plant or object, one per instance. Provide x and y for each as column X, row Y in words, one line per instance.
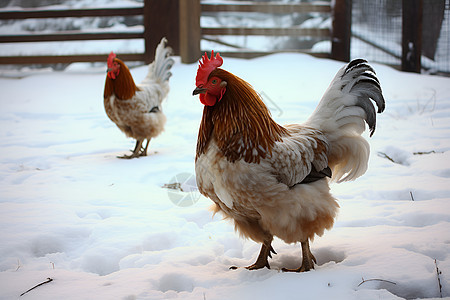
column 108, row 70
column 199, row 90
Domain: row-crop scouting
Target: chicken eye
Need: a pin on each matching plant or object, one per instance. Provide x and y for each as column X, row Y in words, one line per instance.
column 214, row 81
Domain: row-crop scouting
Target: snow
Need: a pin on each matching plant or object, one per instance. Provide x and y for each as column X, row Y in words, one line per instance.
column 106, row 228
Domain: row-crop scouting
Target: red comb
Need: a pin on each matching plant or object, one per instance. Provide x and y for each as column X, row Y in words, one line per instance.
column 206, row 66
column 111, row 57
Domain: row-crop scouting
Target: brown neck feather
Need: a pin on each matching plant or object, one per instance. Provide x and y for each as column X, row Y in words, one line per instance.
column 123, row 86
column 241, row 123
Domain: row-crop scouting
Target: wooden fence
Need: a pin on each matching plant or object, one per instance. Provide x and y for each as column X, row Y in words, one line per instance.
column 179, row 21
column 67, row 35
column 152, row 13
column 190, row 40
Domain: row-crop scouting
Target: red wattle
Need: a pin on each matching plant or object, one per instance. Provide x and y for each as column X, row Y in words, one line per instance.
column 207, row 99
column 111, row 75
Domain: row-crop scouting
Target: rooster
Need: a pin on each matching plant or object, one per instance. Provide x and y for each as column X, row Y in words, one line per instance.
column 273, row 180
column 136, row 109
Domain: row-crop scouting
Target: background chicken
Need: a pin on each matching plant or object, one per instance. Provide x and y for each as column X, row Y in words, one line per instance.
column 272, row 180
column 136, row 109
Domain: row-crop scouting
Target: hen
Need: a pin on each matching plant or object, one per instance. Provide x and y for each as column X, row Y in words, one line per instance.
column 136, row 109
column 272, row 180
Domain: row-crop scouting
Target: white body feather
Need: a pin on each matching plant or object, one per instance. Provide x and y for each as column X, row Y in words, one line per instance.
column 141, row 117
column 268, row 198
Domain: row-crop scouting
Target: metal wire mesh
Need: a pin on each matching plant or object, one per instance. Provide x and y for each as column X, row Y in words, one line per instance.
column 377, row 33
column 442, row 57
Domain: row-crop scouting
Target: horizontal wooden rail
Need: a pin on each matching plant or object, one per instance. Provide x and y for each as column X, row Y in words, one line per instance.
column 75, row 35
column 254, row 54
column 272, row 8
column 66, row 59
column 67, row 13
column 291, row 31
column 70, row 36
column 210, row 33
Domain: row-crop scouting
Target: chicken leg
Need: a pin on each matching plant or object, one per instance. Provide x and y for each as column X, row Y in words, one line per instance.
column 261, row 261
column 136, row 151
column 308, row 259
column 144, row 151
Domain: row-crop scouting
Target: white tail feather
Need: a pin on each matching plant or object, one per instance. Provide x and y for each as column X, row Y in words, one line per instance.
column 157, row 80
column 159, row 69
column 341, row 115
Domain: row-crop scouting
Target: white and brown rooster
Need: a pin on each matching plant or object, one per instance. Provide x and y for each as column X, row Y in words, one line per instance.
column 136, row 109
column 272, row 180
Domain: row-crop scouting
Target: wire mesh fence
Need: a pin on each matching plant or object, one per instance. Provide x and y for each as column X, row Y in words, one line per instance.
column 377, row 33
column 442, row 56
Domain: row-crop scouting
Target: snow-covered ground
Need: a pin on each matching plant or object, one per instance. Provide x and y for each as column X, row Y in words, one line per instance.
column 105, row 228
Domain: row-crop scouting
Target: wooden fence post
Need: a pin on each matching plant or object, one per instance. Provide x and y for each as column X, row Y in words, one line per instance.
column 341, row 31
column 161, row 20
column 190, row 31
column 412, row 35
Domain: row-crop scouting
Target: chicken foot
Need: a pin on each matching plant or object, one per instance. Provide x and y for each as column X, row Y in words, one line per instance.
column 261, row 261
column 135, row 153
column 308, row 259
column 138, row 150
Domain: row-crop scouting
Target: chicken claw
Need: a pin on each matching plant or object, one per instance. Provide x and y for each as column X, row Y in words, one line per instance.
column 261, row 261
column 133, row 155
column 307, row 261
column 138, row 150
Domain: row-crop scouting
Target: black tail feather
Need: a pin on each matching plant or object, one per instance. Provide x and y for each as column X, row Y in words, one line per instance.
column 355, row 62
column 367, row 87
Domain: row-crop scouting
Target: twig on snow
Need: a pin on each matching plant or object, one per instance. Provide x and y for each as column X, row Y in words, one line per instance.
column 432, row 100
column 438, row 278
column 374, row 279
column 42, row 283
column 18, row 265
column 384, row 155
column 425, row 152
